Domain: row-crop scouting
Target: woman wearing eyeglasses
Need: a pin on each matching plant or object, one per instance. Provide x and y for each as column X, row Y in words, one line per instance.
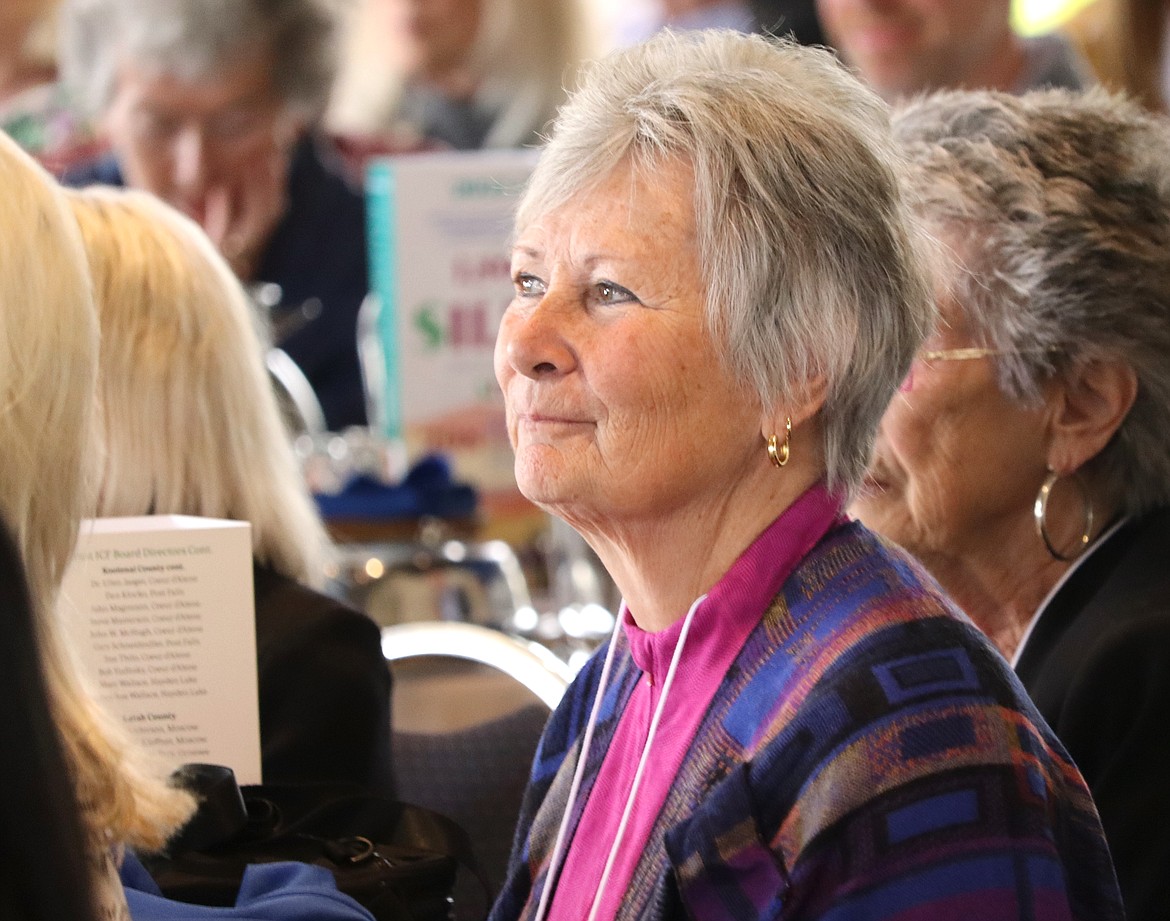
column 1026, row 459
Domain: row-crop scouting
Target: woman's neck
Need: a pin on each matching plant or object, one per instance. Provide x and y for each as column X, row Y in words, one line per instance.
column 1000, row 592
column 1001, row 581
column 456, row 83
column 662, row 565
column 1000, row 69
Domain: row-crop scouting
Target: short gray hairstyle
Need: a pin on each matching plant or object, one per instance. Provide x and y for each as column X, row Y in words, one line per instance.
column 808, row 255
column 192, row 39
column 1057, row 206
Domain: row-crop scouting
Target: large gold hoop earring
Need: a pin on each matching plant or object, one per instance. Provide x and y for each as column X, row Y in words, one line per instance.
column 1040, row 513
column 778, row 453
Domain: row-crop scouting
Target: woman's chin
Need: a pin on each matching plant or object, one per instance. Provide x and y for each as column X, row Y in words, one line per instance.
column 540, row 486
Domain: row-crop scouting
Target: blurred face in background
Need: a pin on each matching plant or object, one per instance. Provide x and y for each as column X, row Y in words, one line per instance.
column 957, row 463
column 217, row 148
column 430, row 39
column 902, row 47
column 22, row 13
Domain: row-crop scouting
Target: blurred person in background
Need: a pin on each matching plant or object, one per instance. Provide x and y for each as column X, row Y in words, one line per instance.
column 27, row 58
column 190, row 426
column 905, row 47
column 1026, row 459
column 636, row 22
column 463, row 74
column 1125, row 43
column 632, row 21
column 212, row 105
column 34, row 107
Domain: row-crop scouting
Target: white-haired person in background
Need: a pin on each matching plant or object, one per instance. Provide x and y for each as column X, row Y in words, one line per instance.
column 191, row 426
column 463, row 73
column 214, row 106
column 637, row 20
column 1026, row 460
column 717, row 292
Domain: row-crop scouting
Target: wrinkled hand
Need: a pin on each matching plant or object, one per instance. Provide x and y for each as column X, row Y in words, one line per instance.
column 240, row 215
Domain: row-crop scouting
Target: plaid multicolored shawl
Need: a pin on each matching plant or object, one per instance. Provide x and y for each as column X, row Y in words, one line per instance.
column 868, row 756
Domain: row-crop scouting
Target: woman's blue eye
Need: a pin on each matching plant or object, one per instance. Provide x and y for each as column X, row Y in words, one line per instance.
column 529, row 285
column 609, row 293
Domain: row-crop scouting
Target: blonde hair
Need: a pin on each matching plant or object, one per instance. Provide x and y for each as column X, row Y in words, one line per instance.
column 525, row 54
column 190, row 422
column 48, row 350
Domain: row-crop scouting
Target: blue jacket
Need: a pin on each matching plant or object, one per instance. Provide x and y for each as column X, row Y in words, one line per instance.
column 269, row 892
column 318, row 251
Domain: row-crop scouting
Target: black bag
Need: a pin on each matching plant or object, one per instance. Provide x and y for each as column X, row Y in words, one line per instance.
column 396, row 859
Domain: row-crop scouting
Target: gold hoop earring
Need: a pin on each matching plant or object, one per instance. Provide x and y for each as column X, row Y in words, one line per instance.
column 778, row 454
column 1040, row 513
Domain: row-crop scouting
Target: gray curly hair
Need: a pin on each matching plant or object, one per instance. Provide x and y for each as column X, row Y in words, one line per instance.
column 190, row 39
column 1057, row 206
column 808, row 254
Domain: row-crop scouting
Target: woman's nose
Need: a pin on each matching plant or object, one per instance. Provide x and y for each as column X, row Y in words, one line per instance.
column 539, row 342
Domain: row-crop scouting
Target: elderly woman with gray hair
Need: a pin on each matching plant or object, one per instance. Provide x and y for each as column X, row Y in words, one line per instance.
column 716, row 295
column 1026, row 460
column 211, row 105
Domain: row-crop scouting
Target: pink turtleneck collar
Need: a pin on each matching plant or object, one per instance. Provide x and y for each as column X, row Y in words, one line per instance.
column 720, row 627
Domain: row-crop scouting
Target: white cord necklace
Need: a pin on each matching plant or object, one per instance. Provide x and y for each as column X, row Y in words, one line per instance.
column 574, row 789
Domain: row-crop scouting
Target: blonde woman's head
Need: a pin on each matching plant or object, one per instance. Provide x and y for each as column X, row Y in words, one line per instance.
column 190, row 424
column 48, row 353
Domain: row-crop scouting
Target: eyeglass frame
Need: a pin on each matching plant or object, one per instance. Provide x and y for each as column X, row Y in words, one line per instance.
column 965, row 353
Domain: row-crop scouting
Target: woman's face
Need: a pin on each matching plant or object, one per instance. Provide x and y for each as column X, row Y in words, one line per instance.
column 617, row 406
column 957, row 464
column 430, row 38
column 218, row 147
column 902, row 47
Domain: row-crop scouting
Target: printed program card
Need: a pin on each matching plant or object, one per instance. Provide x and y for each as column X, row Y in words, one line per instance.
column 161, row 613
column 439, row 242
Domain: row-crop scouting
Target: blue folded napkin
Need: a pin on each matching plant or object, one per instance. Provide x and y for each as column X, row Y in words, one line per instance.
column 427, row 489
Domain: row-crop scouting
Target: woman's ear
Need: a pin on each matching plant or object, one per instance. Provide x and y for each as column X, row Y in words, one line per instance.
column 1087, row 410
column 806, row 402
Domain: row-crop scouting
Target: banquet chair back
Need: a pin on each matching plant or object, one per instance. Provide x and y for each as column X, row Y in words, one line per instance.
column 470, row 704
